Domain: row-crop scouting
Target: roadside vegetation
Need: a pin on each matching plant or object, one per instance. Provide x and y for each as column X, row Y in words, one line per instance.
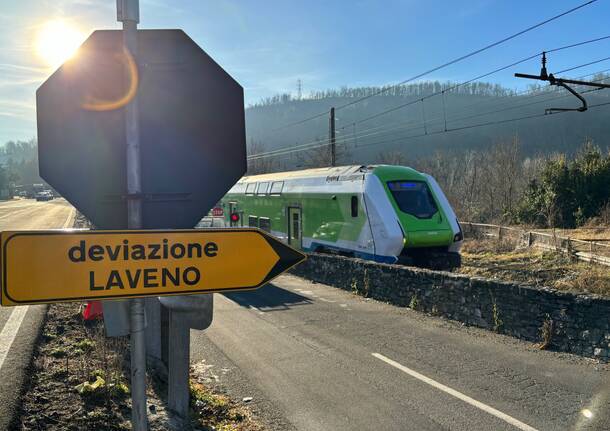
column 502, row 186
column 79, row 380
column 504, row 260
column 569, row 193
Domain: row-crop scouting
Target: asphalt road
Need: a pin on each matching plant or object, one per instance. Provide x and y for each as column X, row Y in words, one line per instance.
column 318, row 358
column 19, row 326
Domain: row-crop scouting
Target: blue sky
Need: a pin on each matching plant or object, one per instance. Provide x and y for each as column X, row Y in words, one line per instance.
column 267, row 45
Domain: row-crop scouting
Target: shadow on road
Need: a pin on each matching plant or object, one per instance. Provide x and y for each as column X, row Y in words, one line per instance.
column 268, row 298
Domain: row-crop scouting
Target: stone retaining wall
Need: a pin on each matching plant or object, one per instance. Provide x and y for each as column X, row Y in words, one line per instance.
column 561, row 321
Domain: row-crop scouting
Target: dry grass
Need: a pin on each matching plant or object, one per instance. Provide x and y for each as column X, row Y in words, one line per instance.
column 73, row 354
column 80, row 380
column 505, row 261
column 217, row 412
column 586, row 233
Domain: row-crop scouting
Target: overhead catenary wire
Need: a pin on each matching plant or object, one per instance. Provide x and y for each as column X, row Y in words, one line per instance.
column 582, row 65
column 366, row 133
column 488, row 123
column 471, row 126
column 446, row 64
column 285, row 151
column 407, row 127
column 400, row 125
column 412, row 125
column 453, row 87
column 484, row 75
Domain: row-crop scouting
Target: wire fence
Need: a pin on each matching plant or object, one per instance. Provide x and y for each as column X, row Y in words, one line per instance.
column 588, row 251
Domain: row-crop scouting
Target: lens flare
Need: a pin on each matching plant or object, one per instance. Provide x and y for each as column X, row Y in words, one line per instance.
column 96, row 104
column 587, row 413
column 57, row 41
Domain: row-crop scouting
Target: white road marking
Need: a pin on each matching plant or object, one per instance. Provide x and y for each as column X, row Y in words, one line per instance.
column 9, row 332
column 506, row 418
column 12, row 325
column 325, row 300
column 70, row 220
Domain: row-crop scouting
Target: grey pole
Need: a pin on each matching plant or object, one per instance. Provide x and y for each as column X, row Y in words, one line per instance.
column 333, row 149
column 178, row 365
column 128, row 12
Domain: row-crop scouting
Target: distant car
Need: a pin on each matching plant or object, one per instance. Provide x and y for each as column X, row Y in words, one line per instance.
column 45, row 195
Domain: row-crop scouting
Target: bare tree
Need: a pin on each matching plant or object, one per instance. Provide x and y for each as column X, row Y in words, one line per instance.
column 320, row 155
column 259, row 165
column 392, row 158
column 482, row 185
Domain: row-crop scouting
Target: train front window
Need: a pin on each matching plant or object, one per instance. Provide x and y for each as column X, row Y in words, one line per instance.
column 414, row 198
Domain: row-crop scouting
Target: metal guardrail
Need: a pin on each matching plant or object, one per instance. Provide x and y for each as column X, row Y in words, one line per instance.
column 588, row 251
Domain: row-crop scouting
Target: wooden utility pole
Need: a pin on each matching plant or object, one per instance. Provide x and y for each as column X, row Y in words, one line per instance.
column 331, row 133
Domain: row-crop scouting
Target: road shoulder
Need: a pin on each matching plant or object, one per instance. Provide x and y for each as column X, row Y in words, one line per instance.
column 16, row 372
column 222, row 375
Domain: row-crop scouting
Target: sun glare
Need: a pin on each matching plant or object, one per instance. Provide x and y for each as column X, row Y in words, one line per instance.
column 57, row 41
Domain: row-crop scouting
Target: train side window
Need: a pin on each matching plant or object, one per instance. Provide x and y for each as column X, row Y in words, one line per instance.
column 252, row 221
column 276, row 187
column 262, row 188
column 265, row 224
column 250, row 188
column 295, row 226
column 354, row 206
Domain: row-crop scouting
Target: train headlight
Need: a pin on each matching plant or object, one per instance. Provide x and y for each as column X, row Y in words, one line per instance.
column 458, row 237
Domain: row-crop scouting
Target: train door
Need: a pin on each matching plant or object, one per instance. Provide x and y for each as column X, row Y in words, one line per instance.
column 295, row 224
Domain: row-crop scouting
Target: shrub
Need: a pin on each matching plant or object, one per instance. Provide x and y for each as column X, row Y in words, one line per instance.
column 567, row 193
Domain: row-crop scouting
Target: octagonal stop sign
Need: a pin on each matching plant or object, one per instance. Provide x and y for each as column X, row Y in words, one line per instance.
column 191, row 122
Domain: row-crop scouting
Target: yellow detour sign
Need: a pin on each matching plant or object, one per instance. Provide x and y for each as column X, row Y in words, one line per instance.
column 61, row 266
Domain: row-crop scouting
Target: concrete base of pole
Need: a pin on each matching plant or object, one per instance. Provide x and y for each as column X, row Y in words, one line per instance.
column 178, row 366
column 154, row 356
column 116, row 318
column 165, row 337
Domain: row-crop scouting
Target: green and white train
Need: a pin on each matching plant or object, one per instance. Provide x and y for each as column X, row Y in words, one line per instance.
column 390, row 214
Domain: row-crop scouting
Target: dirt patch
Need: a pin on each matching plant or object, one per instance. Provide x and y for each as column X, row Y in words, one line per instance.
column 78, row 376
column 503, row 260
column 211, row 410
column 80, row 380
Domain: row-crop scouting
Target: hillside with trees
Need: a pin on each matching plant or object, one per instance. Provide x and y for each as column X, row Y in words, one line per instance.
column 417, row 129
column 19, row 164
column 547, row 171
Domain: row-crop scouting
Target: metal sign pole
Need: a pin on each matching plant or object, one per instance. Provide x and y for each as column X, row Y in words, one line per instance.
column 178, row 365
column 128, row 13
